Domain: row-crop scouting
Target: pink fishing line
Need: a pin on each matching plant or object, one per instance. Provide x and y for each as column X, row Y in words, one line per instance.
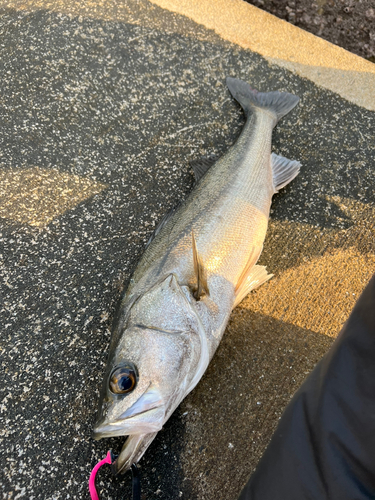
column 92, row 488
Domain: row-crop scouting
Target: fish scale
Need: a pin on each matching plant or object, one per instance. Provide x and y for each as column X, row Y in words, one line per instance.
column 200, row 264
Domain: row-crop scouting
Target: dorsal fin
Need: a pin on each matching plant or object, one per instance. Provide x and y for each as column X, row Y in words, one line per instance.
column 162, row 223
column 199, row 272
column 201, row 166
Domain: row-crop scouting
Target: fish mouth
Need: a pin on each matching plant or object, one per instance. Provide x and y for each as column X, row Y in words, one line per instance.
column 132, row 451
column 140, row 430
column 149, row 421
column 140, row 423
column 146, row 415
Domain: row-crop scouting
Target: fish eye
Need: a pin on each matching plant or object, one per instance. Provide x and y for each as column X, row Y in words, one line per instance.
column 123, row 380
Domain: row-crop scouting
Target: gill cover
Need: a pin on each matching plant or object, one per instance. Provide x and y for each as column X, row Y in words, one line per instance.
column 164, row 307
column 169, row 308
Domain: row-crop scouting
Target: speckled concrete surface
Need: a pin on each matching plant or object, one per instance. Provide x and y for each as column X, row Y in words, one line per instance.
column 107, row 114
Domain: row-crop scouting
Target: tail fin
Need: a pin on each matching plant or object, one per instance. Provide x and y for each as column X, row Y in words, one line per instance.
column 280, row 103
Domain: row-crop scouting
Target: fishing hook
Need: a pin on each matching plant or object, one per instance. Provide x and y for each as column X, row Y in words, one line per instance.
column 111, row 459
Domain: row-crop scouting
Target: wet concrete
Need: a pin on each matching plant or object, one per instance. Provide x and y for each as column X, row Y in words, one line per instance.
column 99, row 119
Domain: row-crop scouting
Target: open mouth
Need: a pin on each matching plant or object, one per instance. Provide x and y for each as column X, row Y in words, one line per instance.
column 140, row 423
column 140, row 431
column 132, row 451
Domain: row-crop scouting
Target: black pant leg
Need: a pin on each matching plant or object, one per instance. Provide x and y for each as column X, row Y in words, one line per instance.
column 324, row 445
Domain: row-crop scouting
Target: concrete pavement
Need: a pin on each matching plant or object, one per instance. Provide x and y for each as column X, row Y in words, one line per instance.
column 102, row 106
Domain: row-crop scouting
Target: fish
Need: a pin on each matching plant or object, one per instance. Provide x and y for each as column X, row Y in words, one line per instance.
column 199, row 265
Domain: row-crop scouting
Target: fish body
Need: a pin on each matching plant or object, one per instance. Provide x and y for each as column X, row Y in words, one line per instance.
column 200, row 264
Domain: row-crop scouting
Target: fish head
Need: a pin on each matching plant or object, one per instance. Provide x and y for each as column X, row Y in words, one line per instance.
column 149, row 369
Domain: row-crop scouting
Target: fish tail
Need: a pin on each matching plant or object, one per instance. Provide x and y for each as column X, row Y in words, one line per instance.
column 279, row 103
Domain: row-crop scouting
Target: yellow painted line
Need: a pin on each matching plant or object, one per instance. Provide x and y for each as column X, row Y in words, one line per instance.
column 284, row 44
column 36, row 196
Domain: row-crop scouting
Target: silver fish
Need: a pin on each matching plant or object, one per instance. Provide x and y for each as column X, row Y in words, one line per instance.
column 200, row 264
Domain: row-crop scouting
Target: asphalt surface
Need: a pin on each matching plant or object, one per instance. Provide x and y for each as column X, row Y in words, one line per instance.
column 99, row 120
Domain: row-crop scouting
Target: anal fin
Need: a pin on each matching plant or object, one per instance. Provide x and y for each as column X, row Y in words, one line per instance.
column 199, row 272
column 284, row 170
column 256, row 277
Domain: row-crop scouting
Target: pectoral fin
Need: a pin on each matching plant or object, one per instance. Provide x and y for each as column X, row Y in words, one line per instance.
column 199, row 271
